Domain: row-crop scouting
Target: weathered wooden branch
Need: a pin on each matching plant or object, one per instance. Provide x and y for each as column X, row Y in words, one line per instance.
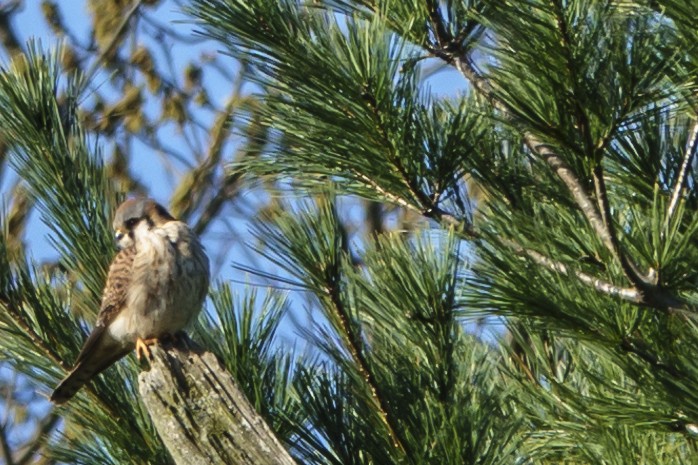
column 202, row 416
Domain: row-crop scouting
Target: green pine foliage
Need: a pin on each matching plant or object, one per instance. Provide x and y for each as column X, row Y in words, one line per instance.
column 540, row 308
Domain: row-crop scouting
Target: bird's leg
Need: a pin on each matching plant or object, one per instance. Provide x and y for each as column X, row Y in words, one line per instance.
column 184, row 342
column 181, row 339
column 142, row 347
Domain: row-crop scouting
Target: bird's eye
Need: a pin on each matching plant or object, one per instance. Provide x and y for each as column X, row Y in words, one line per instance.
column 131, row 222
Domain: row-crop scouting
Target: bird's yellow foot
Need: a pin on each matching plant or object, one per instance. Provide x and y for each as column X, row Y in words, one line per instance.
column 142, row 347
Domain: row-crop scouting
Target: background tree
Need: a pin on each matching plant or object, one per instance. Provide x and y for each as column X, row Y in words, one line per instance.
column 526, row 292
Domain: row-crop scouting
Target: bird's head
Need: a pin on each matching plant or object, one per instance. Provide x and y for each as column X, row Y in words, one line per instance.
column 136, row 212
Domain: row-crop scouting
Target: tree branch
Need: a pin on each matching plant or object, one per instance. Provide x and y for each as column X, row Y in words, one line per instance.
column 113, row 42
column 561, row 168
column 434, row 213
column 555, row 161
column 630, row 269
column 599, row 218
column 8, row 36
column 630, row 294
column 650, row 293
column 30, row 450
column 202, row 416
column 355, row 347
column 5, row 447
column 626, row 293
column 688, row 157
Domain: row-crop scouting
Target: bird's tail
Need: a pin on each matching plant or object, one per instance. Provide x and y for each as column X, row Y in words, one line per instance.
column 86, row 369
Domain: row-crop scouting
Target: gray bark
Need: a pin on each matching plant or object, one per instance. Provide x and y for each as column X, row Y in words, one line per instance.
column 202, row 416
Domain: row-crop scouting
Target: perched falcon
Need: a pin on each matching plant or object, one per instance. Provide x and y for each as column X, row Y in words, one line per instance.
column 156, row 286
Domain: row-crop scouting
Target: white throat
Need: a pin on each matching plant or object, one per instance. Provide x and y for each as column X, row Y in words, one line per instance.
column 141, row 231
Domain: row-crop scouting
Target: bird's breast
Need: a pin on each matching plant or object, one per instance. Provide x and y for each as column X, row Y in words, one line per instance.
column 169, row 281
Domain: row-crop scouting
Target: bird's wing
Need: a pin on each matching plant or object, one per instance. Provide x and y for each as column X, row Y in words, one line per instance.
column 99, row 352
column 113, row 297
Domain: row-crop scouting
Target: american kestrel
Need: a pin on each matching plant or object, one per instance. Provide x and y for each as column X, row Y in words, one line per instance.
column 155, row 287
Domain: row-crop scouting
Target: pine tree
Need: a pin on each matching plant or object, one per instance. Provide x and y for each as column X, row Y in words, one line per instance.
column 525, row 293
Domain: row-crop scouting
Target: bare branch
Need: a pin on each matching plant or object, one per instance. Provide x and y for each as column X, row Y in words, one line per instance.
column 626, row 293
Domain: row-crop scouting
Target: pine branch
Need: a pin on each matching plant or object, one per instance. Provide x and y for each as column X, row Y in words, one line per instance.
column 29, row 331
column 554, row 160
column 201, row 414
column 605, row 230
column 434, row 213
column 354, row 344
column 462, row 62
column 417, row 193
column 630, row 294
column 629, row 268
column 688, row 157
column 607, row 233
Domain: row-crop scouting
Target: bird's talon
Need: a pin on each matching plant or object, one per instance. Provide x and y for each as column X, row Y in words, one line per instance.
column 142, row 347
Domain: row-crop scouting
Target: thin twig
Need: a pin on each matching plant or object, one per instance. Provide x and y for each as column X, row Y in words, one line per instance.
column 188, row 39
column 688, row 156
column 396, row 199
column 641, row 351
column 113, row 41
column 434, row 213
column 8, row 35
column 230, row 189
column 626, row 293
column 629, row 268
column 19, row 320
column 48, row 423
column 5, row 447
